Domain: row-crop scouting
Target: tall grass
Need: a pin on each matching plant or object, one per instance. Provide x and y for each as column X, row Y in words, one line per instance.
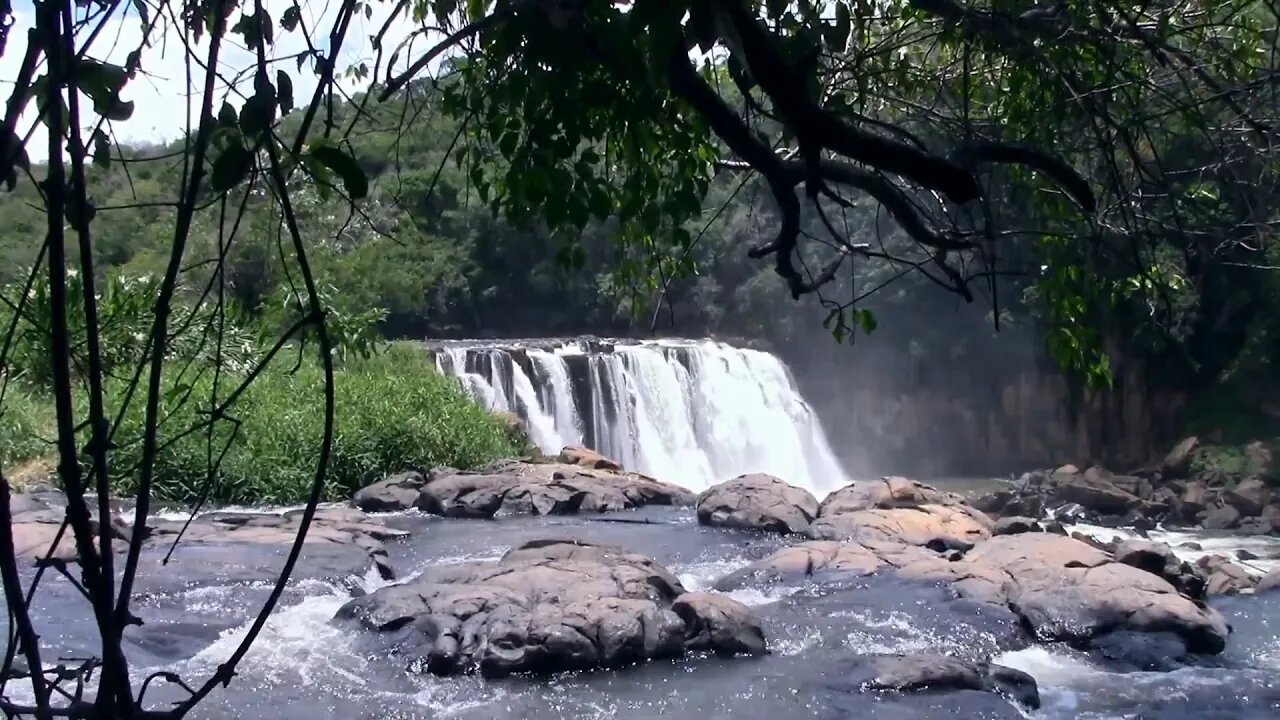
column 394, row 412
column 26, row 425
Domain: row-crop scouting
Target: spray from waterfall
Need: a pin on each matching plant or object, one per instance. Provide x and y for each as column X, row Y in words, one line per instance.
column 689, row 412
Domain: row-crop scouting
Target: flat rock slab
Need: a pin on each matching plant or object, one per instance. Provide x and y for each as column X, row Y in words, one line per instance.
column 551, row 606
column 757, row 502
column 518, row 487
column 37, row 525
column 939, row 526
column 1065, row 590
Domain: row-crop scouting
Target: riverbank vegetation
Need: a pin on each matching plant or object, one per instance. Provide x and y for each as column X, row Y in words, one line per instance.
column 394, row 410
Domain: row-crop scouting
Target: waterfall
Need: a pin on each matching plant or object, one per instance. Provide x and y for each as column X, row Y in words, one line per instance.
column 689, row 412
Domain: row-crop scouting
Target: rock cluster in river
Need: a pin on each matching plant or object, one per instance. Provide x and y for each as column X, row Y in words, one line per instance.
column 1060, row 588
column 890, row 510
column 577, row 481
column 550, row 606
column 1171, row 493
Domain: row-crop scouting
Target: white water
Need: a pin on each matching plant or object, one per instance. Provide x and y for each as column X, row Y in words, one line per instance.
column 689, row 412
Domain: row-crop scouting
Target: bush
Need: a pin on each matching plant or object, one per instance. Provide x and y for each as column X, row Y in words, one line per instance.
column 394, row 412
column 26, row 426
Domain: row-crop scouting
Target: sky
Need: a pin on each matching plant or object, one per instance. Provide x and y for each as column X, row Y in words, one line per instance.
column 160, row 92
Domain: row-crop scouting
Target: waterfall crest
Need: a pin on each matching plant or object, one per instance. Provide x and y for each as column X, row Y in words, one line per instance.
column 691, row 412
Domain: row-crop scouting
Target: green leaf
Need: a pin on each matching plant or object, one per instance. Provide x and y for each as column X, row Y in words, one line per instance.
column 476, row 9
column 227, row 116
column 101, row 149
column 258, row 112
column 13, row 155
column 292, row 16
column 102, row 82
column 284, row 92
column 346, row 168
column 231, row 168
column 867, row 320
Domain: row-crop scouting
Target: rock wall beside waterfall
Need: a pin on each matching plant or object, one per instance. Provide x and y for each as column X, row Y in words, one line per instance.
column 694, row 412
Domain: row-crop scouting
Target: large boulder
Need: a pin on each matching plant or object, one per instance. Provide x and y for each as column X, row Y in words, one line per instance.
column 1065, row 590
column 1096, row 490
column 908, row 673
column 585, row 457
column 757, row 502
column 1269, row 583
column 520, row 487
column 1177, row 463
column 899, row 510
column 1221, row 518
column 1249, row 497
column 820, row 559
column 550, row 606
column 398, row 492
column 1158, row 559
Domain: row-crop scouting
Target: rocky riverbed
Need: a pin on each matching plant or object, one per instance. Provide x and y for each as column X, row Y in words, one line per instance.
column 590, row 592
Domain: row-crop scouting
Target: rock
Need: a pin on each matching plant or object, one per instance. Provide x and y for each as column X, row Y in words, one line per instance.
column 514, row 428
column 886, row 493
column 993, row 503
column 1178, row 462
column 1271, row 515
column 720, row 624
column 1015, row 526
column 1243, row 554
column 1195, row 546
column 1055, row 527
column 348, row 528
column 899, row 510
column 1261, row 458
column 757, row 502
column 1127, row 651
column 551, row 606
column 1224, row 576
column 1223, row 518
column 1094, row 490
column 907, row 673
column 1158, row 559
column 542, row 489
column 1026, row 506
column 823, row 558
column 1193, row 501
column 398, row 492
column 1064, row 590
column 1249, row 497
column 1269, row 583
column 587, row 458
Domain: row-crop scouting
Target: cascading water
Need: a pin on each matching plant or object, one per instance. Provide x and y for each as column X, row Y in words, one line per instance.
column 690, row 412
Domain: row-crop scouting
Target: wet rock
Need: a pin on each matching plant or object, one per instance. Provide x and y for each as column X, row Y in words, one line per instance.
column 587, row 458
column 335, row 527
column 1271, row 515
column 1249, row 497
column 1127, row 651
column 902, row 511
column 1223, row 518
column 1066, row 590
column 720, row 624
column 909, row 673
column 1095, row 490
column 542, row 489
column 757, row 502
column 1224, row 576
column 824, row 558
column 1014, row 525
column 1159, row 559
column 1244, row 554
column 1178, row 462
column 993, row 503
column 398, row 492
column 1195, row 546
column 551, row 606
column 1269, row 583
column 1193, row 501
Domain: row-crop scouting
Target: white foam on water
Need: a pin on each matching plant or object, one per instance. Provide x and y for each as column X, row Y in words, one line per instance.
column 1266, row 547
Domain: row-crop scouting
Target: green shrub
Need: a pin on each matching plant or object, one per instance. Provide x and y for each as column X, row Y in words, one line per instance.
column 26, row 426
column 394, row 412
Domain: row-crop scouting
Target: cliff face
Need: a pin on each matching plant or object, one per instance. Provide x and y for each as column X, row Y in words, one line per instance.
column 923, row 425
